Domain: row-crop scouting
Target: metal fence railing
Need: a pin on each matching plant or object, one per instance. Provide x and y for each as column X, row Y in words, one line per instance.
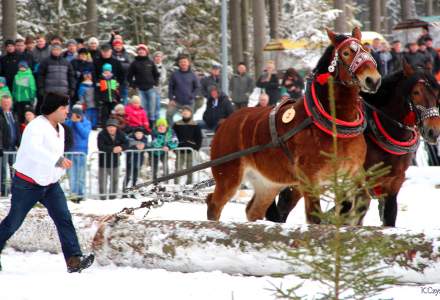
column 101, row 175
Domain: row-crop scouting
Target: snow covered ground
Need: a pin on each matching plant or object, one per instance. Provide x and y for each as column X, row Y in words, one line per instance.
column 41, row 275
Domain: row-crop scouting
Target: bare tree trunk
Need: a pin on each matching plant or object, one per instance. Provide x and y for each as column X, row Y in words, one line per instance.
column 429, row 7
column 258, row 13
column 236, row 34
column 274, row 17
column 9, row 19
column 92, row 18
column 375, row 15
column 384, row 17
column 341, row 20
column 245, row 31
column 408, row 9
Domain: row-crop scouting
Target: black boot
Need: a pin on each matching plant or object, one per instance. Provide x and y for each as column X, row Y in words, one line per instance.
column 79, row 263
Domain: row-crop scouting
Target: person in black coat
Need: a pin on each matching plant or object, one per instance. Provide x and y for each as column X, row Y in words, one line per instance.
column 218, row 108
column 269, row 81
column 20, row 48
column 10, row 133
column 9, row 63
column 189, row 135
column 80, row 65
column 106, row 58
column 135, row 158
column 111, row 143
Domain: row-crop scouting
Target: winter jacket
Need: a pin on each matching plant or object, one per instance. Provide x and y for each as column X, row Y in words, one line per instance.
column 79, row 66
column 5, row 91
column 435, row 59
column 86, row 94
column 123, row 57
column 271, row 87
column 40, row 54
column 7, row 140
column 143, row 73
column 136, row 158
column 24, row 88
column 106, row 144
column 9, row 67
column 241, row 88
column 161, row 140
column 56, row 74
column 209, row 81
column 80, row 131
column 69, row 56
column 189, row 134
column 108, row 91
column 27, row 57
column 117, row 70
column 183, row 87
column 396, row 62
column 136, row 117
column 217, row 110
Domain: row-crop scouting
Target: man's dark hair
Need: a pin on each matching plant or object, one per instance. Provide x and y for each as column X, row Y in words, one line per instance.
column 395, row 42
column 79, row 40
column 19, row 41
column 242, row 63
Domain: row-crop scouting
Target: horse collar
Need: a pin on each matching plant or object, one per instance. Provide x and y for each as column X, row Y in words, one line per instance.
column 380, row 137
column 323, row 120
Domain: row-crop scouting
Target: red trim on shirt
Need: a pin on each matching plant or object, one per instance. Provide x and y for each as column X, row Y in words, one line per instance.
column 24, row 177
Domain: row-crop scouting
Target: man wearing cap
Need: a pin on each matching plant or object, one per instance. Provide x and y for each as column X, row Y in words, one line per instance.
column 38, row 168
column 71, row 52
column 212, row 79
column 56, row 74
column 183, row 88
column 80, row 128
column 9, row 63
column 106, row 57
column 120, row 54
column 144, row 76
column 111, row 142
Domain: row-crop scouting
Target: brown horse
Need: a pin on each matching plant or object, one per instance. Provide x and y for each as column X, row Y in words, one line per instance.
column 406, row 100
column 271, row 170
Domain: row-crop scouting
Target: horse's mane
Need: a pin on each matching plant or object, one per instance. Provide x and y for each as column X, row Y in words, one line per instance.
column 395, row 80
column 326, row 58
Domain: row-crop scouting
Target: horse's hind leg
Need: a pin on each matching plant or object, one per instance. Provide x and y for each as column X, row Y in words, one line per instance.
column 225, row 189
column 262, row 199
column 313, row 209
column 287, row 201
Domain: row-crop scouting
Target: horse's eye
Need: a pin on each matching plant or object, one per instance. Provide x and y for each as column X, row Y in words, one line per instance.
column 346, row 53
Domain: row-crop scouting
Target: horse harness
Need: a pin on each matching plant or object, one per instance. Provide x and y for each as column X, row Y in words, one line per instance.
column 417, row 114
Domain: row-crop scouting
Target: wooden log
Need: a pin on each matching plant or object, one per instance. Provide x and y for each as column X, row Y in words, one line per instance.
column 234, row 248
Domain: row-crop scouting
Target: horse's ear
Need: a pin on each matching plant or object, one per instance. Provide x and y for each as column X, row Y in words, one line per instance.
column 408, row 70
column 331, row 36
column 356, row 33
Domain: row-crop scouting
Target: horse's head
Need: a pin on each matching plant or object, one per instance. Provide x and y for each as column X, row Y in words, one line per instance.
column 422, row 98
column 352, row 64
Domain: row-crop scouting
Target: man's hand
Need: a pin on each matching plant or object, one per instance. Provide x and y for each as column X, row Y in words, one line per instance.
column 172, row 103
column 66, row 164
column 117, row 149
column 166, row 149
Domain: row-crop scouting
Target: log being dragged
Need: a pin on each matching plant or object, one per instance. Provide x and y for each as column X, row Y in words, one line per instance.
column 244, row 248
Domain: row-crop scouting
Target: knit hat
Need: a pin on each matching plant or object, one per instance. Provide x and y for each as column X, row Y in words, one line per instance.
column 71, row 42
column 23, row 64
column 77, row 109
column 52, row 102
column 105, row 47
column 2, row 80
column 93, row 40
column 29, row 108
column 142, row 46
column 83, row 51
column 107, row 67
column 161, row 122
column 112, row 122
column 187, row 107
column 117, row 42
column 56, row 46
column 87, row 72
column 158, row 53
column 139, row 129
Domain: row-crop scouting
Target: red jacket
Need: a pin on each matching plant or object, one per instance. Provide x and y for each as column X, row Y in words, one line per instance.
column 136, row 117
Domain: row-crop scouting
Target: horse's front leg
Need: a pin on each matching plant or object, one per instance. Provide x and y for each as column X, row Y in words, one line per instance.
column 313, row 209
